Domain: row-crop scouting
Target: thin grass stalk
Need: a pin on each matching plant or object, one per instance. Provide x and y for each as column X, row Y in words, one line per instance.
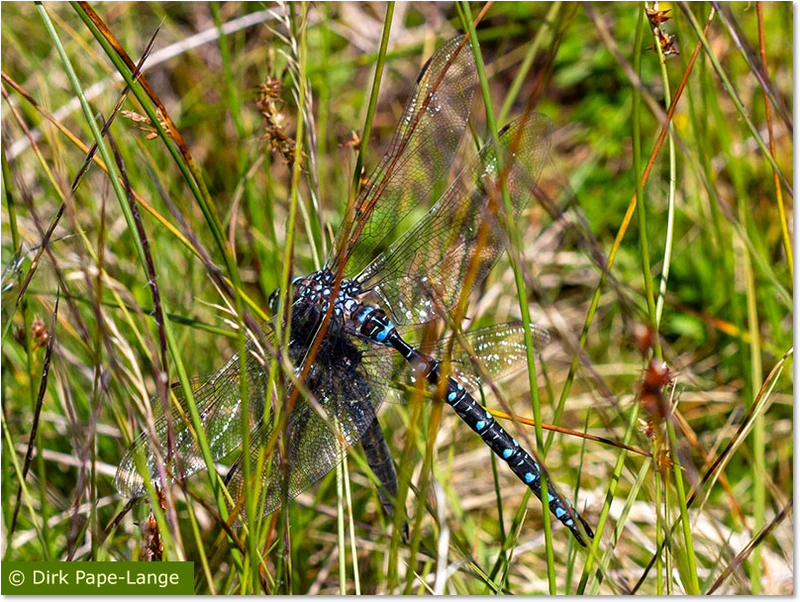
column 315, row 228
column 616, row 536
column 662, row 289
column 613, row 482
column 667, row 541
column 351, row 528
column 403, row 485
column 37, row 516
column 373, row 97
column 693, row 586
column 121, row 197
column 312, row 227
column 787, row 239
column 34, row 440
column 424, row 485
column 737, row 103
column 759, row 426
column 235, row 111
column 626, row 220
column 660, row 506
column 171, row 342
column 162, row 378
column 184, row 240
column 511, row 539
column 340, row 536
column 37, row 399
column 251, row 501
column 323, row 117
column 231, row 90
column 754, row 543
column 641, row 207
column 16, row 245
column 720, row 463
column 527, row 62
column 178, row 151
column 288, row 255
column 198, row 537
column 98, row 343
column 11, row 208
column 442, row 547
column 521, row 293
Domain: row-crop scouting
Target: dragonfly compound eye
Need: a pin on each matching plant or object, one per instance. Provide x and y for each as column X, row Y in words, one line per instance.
column 274, row 301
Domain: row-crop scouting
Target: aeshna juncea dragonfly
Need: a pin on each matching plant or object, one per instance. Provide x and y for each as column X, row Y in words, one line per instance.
column 344, row 319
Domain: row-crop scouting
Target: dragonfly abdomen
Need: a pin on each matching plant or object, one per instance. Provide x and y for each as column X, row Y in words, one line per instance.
column 478, row 419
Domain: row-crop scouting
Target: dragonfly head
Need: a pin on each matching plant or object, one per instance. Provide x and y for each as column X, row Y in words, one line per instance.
column 274, row 299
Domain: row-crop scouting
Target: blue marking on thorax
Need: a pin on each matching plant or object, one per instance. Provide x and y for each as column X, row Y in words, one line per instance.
column 385, row 332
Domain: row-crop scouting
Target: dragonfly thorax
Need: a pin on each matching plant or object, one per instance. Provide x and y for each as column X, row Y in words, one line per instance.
column 313, row 295
column 318, row 289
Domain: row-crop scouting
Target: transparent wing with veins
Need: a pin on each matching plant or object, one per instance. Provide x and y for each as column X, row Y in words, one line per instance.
column 460, row 238
column 218, row 401
column 427, row 137
column 499, row 350
column 343, row 403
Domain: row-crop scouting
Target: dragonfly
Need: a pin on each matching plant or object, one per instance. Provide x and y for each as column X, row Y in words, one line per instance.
column 345, row 320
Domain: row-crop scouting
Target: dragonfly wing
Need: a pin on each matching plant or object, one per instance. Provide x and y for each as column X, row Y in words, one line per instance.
column 218, row 402
column 459, row 239
column 427, row 137
column 319, row 430
column 499, row 349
